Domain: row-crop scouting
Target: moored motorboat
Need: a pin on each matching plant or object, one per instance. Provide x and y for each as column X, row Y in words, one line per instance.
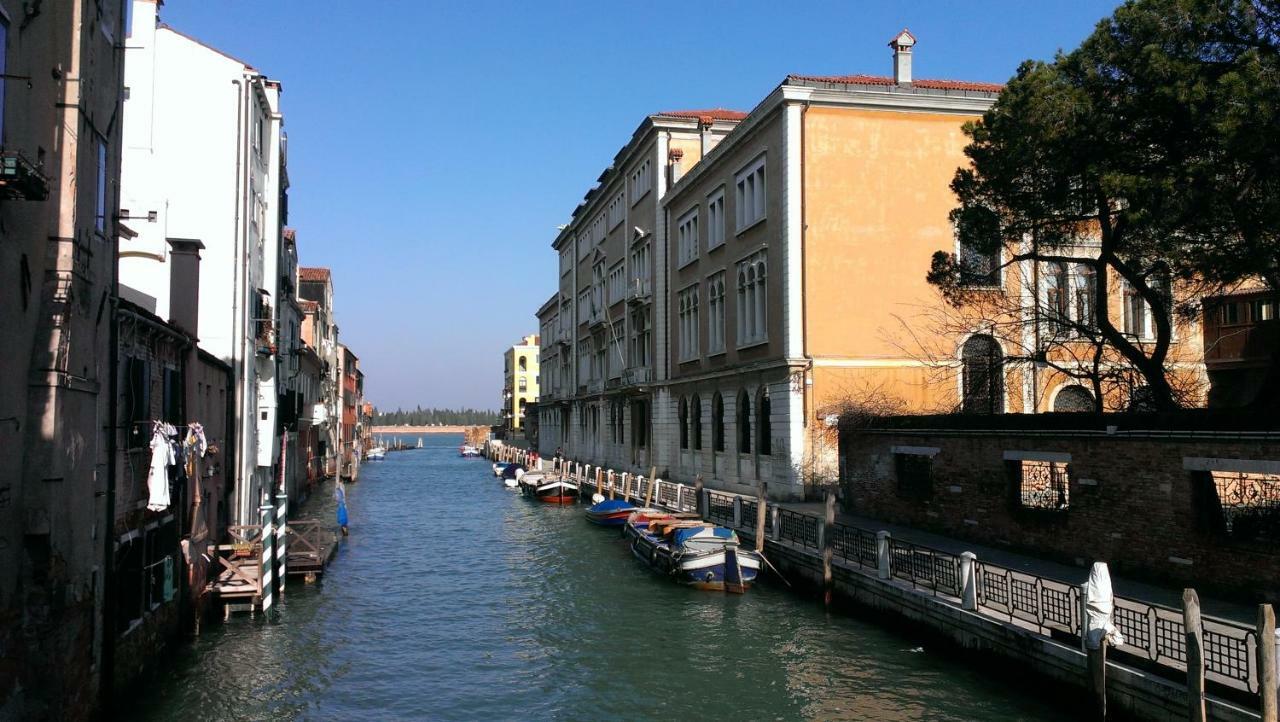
column 468, row 452
column 693, row 552
column 611, row 512
column 377, row 453
column 552, row 488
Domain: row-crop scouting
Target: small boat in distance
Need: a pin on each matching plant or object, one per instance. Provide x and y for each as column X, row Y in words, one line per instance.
column 693, row 552
column 465, row 451
column 377, row 453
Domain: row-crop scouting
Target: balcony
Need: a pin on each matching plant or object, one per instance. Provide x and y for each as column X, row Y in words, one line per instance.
column 640, row 291
column 20, row 179
column 266, row 338
column 637, row 375
column 595, row 386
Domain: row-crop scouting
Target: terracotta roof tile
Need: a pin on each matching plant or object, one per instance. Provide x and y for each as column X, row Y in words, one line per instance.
column 712, row 113
column 924, row 83
column 313, row 274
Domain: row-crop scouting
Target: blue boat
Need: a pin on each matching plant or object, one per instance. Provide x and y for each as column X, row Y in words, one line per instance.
column 692, row 551
column 610, row 512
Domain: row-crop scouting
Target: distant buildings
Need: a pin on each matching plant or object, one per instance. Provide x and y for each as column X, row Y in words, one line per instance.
column 520, row 383
column 170, row 371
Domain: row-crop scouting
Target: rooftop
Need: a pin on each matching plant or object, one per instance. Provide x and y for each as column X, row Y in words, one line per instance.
column 711, row 114
column 923, row 83
column 313, row 274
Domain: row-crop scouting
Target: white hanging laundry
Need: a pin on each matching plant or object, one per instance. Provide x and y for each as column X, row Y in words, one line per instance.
column 158, row 476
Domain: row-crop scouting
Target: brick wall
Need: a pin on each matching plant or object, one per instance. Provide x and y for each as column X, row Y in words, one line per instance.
column 1132, row 502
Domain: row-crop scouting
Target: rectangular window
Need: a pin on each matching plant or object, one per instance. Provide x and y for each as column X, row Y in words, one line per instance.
column 566, row 259
column 1229, row 313
column 597, row 230
column 137, row 402
column 173, row 396
column 715, row 313
column 750, row 197
column 752, row 300
column 640, row 269
column 688, row 323
column 687, row 238
column 100, row 217
column 641, row 181
column 1262, row 310
column 583, row 241
column 915, row 475
column 715, row 220
column 1043, row 485
column 1247, row 505
column 640, row 337
column 617, row 211
column 584, row 305
column 617, row 283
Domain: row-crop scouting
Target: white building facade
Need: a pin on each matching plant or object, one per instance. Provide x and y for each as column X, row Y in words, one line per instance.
column 203, row 161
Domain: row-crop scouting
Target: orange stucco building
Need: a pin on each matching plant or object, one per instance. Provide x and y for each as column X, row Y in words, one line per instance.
column 790, row 283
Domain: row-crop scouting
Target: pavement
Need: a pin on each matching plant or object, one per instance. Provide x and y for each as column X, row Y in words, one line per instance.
column 1122, row 586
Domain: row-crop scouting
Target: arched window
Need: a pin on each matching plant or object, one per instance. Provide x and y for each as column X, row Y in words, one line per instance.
column 764, row 430
column 524, row 364
column 717, row 422
column 1073, row 398
column 684, row 423
column 695, row 413
column 744, row 422
column 1083, row 287
column 982, row 376
column 1056, row 305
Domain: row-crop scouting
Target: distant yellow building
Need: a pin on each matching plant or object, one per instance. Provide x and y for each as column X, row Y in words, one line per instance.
column 520, row 381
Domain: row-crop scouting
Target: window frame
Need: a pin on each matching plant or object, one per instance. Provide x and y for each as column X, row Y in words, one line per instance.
column 715, row 219
column 753, row 167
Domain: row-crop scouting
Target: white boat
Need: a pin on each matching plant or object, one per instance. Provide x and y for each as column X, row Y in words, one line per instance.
column 377, row 453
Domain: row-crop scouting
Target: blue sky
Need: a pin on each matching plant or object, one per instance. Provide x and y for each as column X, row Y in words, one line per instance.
column 434, row 147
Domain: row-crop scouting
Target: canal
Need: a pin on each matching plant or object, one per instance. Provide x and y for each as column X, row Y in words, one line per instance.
column 455, row 598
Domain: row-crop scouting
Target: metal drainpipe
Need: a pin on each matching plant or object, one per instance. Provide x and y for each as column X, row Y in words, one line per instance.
column 106, row 681
column 231, row 460
column 807, row 394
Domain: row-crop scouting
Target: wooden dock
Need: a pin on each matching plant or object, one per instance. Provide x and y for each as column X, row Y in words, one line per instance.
column 311, row 546
column 238, row 584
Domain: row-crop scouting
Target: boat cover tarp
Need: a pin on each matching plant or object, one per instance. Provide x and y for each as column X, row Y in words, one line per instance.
column 683, row 535
column 611, row 505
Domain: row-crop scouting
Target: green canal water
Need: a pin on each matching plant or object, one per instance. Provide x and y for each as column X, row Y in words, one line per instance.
column 457, row 599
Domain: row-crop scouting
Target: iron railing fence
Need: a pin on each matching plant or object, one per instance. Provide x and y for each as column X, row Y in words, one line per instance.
column 720, row 508
column 798, row 528
column 925, row 567
column 1157, row 634
column 854, row 544
column 667, row 495
column 1051, row 606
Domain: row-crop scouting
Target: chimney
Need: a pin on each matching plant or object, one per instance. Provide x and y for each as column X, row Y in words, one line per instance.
column 184, row 284
column 902, row 44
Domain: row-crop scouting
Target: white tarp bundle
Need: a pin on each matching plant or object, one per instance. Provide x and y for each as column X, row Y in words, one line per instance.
column 1099, row 603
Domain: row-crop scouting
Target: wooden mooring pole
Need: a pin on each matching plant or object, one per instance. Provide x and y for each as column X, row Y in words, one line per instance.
column 1195, row 655
column 761, row 495
column 1267, row 691
column 828, row 526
